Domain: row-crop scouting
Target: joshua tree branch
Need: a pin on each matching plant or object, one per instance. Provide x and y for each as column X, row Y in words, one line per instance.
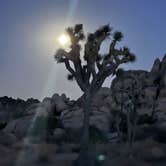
column 76, row 73
column 79, row 75
column 68, row 67
column 101, row 76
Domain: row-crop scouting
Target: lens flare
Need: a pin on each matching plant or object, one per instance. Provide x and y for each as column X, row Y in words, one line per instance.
column 64, row 40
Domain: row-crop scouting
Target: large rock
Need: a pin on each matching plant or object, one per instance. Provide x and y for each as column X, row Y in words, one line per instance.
column 100, row 119
column 48, row 106
column 72, row 119
column 163, row 72
column 59, row 102
column 161, row 104
column 19, row 126
column 102, row 98
column 154, row 73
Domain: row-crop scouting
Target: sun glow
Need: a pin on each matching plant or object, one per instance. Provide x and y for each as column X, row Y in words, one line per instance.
column 64, row 40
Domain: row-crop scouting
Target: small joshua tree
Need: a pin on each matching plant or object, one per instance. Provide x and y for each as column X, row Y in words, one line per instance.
column 90, row 68
column 133, row 104
column 129, row 102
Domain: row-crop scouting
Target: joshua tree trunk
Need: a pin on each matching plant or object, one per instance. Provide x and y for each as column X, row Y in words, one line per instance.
column 83, row 158
column 86, row 119
column 136, row 118
column 128, row 128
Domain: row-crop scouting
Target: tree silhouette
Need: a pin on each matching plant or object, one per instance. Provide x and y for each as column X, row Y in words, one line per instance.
column 90, row 68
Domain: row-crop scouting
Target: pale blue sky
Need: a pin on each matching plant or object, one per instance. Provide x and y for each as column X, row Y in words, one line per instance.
column 30, row 28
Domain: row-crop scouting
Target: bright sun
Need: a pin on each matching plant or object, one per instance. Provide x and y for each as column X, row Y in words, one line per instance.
column 64, row 39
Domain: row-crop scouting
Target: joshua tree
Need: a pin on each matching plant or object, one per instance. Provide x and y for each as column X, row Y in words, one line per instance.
column 129, row 102
column 90, row 68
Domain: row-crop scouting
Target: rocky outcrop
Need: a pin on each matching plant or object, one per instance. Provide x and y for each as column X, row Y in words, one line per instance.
column 157, row 74
column 152, row 95
column 55, row 118
column 163, row 72
column 148, row 87
column 14, row 108
column 154, row 73
column 60, row 102
column 150, row 99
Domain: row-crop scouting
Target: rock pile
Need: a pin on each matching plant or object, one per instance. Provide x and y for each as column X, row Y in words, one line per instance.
column 151, row 102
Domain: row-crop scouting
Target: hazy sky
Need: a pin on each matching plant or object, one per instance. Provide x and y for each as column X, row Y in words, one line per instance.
column 30, row 28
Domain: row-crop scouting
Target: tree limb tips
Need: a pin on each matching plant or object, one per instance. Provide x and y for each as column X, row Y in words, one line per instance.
column 97, row 67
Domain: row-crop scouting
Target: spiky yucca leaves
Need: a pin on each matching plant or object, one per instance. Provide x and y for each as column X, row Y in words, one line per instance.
column 94, row 42
column 70, row 31
column 130, row 56
column 126, row 50
column 59, row 55
column 91, row 37
column 107, row 29
column 78, row 28
column 102, row 33
column 118, row 36
column 75, row 33
column 122, row 55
